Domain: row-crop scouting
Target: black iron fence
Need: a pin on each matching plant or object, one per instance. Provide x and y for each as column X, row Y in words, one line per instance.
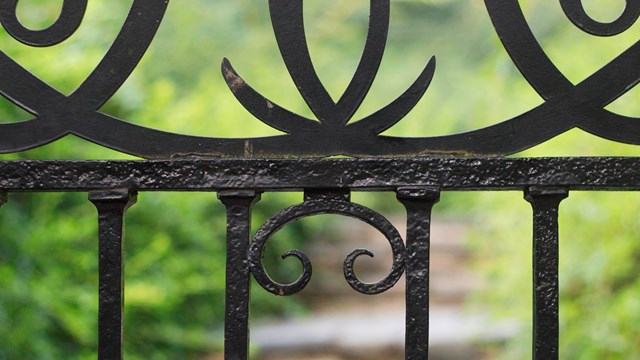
column 239, row 170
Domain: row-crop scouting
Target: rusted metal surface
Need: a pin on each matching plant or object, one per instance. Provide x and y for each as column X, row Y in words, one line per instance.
column 546, row 327
column 111, row 205
column 236, row 332
column 621, row 173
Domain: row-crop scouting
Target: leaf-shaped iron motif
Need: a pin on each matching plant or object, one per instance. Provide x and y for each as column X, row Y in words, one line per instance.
column 566, row 105
column 287, row 19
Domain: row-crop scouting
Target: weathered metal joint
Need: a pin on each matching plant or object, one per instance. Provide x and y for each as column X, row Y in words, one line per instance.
column 542, row 195
column 120, row 197
column 327, row 194
column 430, row 194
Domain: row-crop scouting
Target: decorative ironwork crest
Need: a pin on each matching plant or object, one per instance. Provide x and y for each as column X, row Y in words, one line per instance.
column 327, row 203
column 566, row 105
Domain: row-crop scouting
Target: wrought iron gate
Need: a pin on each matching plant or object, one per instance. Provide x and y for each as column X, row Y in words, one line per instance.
column 239, row 170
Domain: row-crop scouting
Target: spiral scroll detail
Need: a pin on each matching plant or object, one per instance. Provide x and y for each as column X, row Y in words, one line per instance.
column 66, row 25
column 575, row 11
column 324, row 206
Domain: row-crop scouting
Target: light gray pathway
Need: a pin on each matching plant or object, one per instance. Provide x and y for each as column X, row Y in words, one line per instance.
column 359, row 332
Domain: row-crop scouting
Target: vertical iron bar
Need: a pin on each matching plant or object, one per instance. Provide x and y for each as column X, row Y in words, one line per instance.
column 111, row 205
column 236, row 323
column 546, row 335
column 418, row 202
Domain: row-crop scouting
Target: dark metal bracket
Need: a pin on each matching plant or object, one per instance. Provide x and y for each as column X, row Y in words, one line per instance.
column 111, row 205
column 546, row 329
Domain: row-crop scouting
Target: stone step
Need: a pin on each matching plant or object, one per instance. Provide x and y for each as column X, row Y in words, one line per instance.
column 360, row 335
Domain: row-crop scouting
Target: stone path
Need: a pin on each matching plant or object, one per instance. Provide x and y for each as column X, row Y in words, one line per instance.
column 360, row 335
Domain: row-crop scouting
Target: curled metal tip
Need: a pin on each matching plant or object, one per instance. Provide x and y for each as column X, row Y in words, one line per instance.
column 262, row 108
column 66, row 25
column 371, row 288
column 574, row 9
column 280, row 289
column 391, row 114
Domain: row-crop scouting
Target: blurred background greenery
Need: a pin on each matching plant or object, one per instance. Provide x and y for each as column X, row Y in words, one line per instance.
column 175, row 242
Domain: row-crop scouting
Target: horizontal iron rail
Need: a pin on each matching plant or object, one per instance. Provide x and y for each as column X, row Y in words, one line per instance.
column 380, row 174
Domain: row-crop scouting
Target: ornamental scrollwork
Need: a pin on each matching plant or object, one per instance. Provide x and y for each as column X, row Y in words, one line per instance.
column 566, row 105
column 319, row 206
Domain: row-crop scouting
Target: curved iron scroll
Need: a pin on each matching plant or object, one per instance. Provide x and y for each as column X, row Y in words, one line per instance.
column 68, row 22
column 566, row 105
column 326, row 206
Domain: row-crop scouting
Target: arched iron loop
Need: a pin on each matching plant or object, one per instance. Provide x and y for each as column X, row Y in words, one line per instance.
column 326, row 206
column 567, row 105
column 58, row 115
column 67, row 23
column 575, row 11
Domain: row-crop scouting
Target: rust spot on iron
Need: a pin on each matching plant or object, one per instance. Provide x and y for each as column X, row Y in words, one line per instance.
column 234, row 81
